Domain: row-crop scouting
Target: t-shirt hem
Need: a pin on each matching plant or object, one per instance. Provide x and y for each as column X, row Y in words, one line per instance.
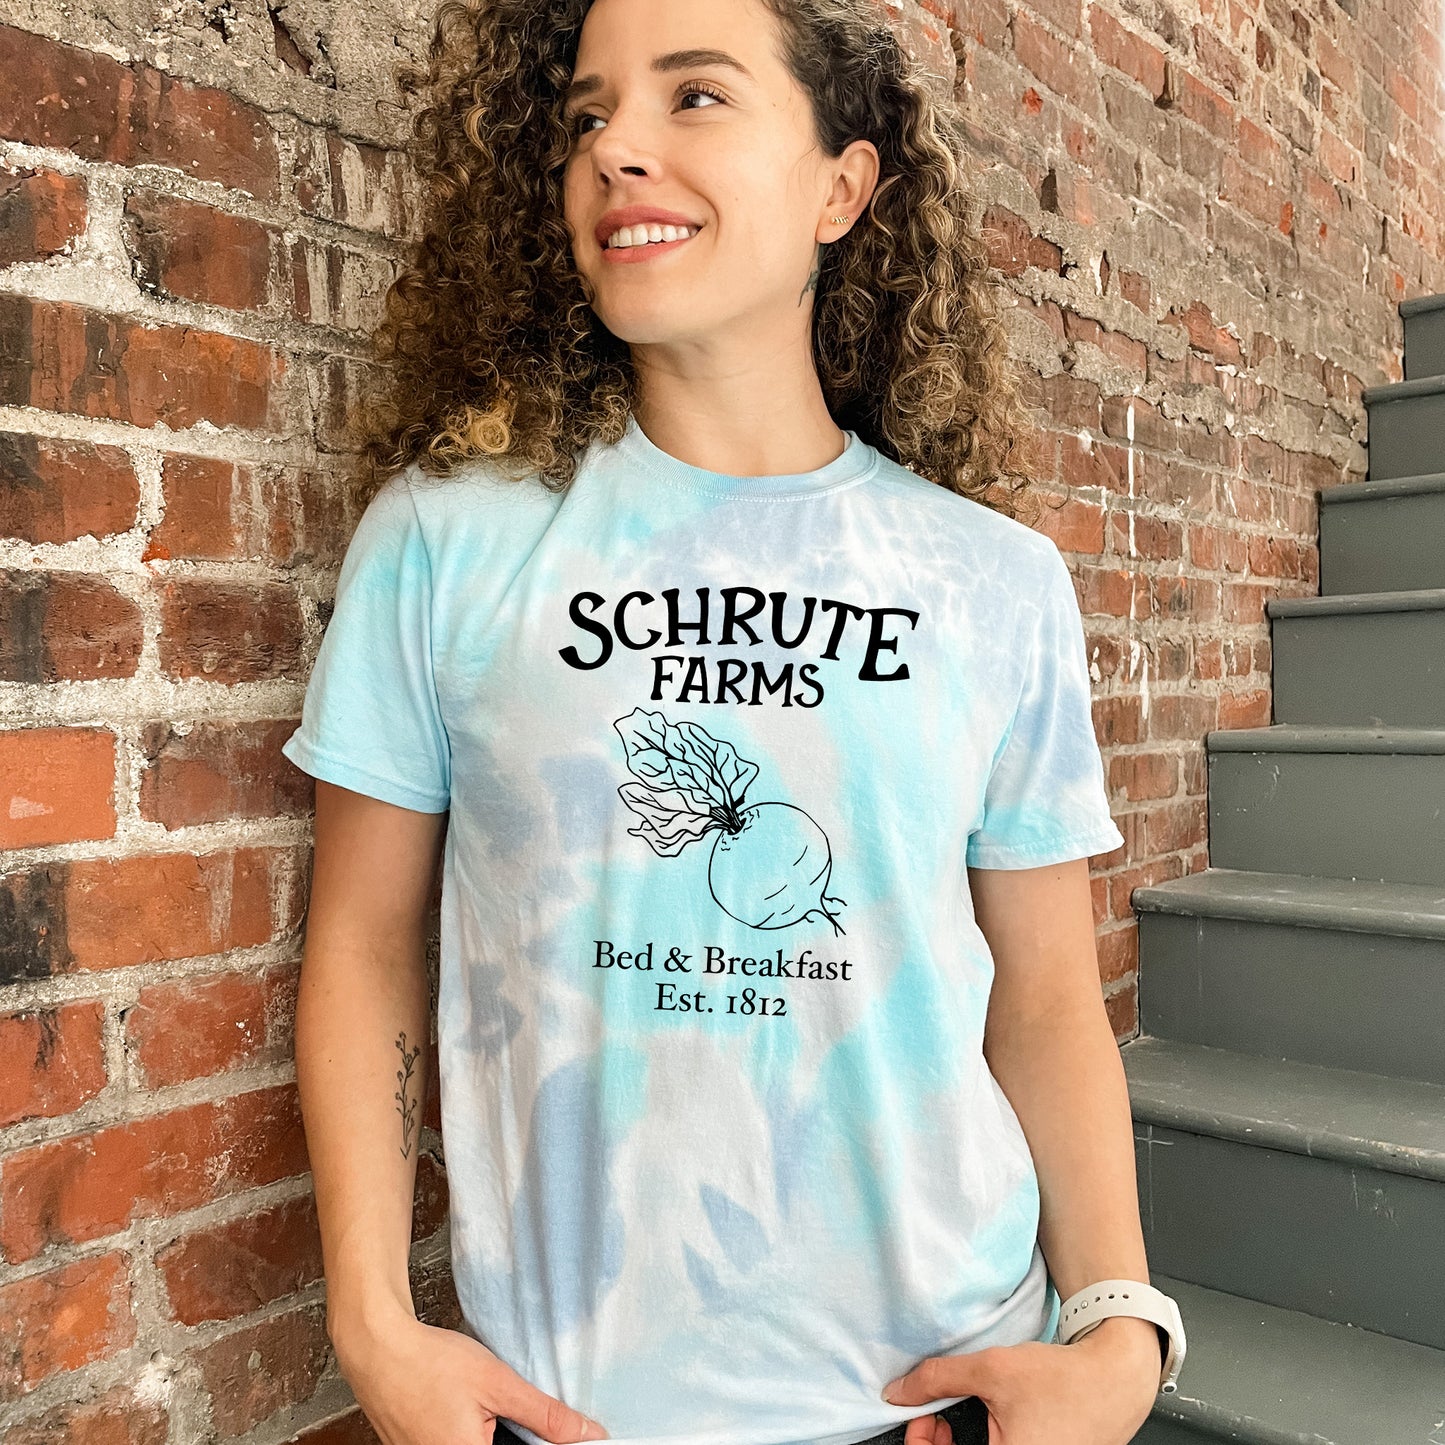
column 311, row 759
column 1054, row 850
column 734, row 1436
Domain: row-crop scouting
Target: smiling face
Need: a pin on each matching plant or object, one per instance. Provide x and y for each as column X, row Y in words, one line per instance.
column 695, row 190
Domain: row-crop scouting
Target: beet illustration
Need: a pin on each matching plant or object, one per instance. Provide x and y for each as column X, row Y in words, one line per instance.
column 770, row 862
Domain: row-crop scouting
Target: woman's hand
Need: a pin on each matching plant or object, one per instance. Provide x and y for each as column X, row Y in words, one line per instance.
column 1096, row 1391
column 420, row 1385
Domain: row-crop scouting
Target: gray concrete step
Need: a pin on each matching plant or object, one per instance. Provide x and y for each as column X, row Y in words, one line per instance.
column 1316, row 1189
column 1338, row 802
column 1261, row 1375
column 1383, row 536
column 1424, row 318
column 1324, row 971
column 1366, row 659
column 1406, row 426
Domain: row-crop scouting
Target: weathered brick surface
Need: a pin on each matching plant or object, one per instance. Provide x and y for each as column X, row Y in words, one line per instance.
column 52, row 1060
column 78, row 1188
column 77, row 1314
column 41, row 214
column 57, row 491
column 57, row 785
column 1206, row 220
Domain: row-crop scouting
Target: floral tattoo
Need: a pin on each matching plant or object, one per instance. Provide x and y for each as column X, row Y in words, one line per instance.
column 404, row 1106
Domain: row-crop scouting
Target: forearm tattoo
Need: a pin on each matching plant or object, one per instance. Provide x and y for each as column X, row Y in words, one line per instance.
column 404, row 1106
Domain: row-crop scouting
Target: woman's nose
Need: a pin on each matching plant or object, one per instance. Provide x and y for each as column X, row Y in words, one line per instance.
column 627, row 142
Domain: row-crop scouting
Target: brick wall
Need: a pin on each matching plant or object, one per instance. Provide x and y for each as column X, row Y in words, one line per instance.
column 1208, row 219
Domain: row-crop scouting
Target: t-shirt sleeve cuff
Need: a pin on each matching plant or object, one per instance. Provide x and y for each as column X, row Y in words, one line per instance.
column 1086, row 844
column 359, row 780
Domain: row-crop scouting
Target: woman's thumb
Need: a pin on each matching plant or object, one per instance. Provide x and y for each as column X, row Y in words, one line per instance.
column 518, row 1399
column 937, row 1378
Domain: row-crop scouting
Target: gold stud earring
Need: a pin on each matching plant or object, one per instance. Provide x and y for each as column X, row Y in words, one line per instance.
column 841, row 220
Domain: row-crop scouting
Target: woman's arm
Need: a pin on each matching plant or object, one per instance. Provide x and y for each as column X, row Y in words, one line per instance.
column 363, row 1017
column 1050, row 1045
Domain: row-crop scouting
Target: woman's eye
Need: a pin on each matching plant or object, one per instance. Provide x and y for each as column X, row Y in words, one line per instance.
column 700, row 90
column 578, row 123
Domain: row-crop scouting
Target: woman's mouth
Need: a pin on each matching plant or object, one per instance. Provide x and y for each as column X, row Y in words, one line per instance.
column 630, row 244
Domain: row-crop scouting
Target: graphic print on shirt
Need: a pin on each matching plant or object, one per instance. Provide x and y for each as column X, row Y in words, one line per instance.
column 770, row 862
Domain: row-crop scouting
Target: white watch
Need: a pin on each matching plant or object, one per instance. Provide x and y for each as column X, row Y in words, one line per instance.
column 1096, row 1303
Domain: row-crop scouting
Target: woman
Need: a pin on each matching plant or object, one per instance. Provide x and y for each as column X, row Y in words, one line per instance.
column 696, row 603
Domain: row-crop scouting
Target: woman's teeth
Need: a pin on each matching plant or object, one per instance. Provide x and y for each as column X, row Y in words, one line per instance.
column 641, row 235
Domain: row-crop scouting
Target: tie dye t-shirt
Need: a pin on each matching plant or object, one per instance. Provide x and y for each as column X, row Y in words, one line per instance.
column 723, row 1150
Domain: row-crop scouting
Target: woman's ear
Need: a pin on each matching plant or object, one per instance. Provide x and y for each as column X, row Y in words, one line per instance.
column 855, row 178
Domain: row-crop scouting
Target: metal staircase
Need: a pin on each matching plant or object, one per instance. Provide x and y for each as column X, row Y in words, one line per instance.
column 1288, row 1084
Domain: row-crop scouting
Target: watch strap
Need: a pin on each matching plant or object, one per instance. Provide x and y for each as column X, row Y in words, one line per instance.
column 1091, row 1306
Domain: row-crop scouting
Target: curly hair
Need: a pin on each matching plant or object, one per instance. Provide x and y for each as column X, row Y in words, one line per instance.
column 488, row 346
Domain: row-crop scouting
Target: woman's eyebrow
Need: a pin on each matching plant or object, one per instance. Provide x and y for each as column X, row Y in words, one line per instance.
column 671, row 60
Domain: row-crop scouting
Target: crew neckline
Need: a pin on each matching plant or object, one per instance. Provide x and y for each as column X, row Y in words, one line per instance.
column 853, row 464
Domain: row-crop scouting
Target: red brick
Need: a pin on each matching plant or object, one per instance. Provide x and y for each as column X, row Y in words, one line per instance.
column 52, row 1060
column 123, row 911
column 1012, row 246
column 1139, row 534
column 233, row 1268
column 58, row 625
column 230, row 631
column 1096, row 463
column 1075, row 526
column 328, row 507
column 41, row 213
column 1201, row 103
column 1252, row 193
column 62, row 1320
column 219, row 771
column 1245, row 709
column 1335, row 65
column 195, row 1028
column 1127, row 52
column 1135, row 289
column 193, row 251
column 73, row 99
column 253, row 1373
column 1122, row 1006
column 1065, row 16
column 62, row 358
column 1144, row 775
column 1197, row 321
column 1194, row 599
column 1218, row 60
column 56, row 491
column 98, row 913
column 222, row 510
column 1071, row 402
column 57, row 785
column 69, row 1191
column 115, row 1417
column 353, row 1428
column 1257, row 147
column 1125, row 349
column 1065, row 68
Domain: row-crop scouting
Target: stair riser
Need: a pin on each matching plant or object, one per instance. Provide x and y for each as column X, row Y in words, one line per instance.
column 1377, row 816
column 1388, row 544
column 1425, row 344
column 1320, row 996
column 1339, row 1241
column 1360, row 668
column 1407, row 435
column 1155, row 1431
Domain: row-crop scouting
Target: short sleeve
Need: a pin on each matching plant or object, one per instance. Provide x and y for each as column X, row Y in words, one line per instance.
column 371, row 720
column 1045, row 800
